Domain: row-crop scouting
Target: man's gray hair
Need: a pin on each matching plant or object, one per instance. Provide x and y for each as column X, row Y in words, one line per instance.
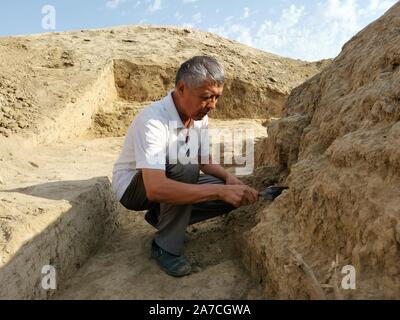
column 199, row 69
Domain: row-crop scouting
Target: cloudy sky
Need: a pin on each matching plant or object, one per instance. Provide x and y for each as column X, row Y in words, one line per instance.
column 301, row 29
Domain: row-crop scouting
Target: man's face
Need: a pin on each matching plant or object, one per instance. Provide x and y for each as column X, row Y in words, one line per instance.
column 198, row 102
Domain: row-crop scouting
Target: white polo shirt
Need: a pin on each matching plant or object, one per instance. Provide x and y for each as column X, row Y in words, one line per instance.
column 156, row 137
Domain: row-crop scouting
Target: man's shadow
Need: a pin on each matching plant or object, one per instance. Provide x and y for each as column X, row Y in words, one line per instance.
column 58, row 190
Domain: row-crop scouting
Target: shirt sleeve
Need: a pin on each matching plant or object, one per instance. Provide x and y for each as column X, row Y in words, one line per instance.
column 150, row 144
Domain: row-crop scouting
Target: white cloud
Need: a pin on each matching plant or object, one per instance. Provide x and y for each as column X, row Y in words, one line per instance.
column 308, row 36
column 155, row 6
column 376, row 6
column 291, row 16
column 303, row 34
column 178, row 15
column 189, row 1
column 113, row 4
column 246, row 13
column 187, row 25
column 343, row 12
column 380, row 5
column 197, row 18
column 238, row 32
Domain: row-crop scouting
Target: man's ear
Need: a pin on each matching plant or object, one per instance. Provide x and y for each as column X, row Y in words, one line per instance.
column 181, row 87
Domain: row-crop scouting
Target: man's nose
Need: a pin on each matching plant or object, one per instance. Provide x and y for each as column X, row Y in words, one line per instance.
column 212, row 104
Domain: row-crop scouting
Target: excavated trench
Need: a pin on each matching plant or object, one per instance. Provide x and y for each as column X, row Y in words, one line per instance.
column 61, row 211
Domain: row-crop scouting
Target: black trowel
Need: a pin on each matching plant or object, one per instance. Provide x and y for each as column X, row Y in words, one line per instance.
column 272, row 192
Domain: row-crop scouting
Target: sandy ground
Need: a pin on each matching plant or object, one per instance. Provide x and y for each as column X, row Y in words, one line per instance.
column 123, row 269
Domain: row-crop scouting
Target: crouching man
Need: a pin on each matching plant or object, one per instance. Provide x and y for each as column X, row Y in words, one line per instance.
column 164, row 151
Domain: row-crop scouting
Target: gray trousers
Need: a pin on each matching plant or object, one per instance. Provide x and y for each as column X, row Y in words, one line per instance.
column 172, row 220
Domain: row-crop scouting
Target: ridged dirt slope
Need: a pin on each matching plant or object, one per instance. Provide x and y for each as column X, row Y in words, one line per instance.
column 339, row 141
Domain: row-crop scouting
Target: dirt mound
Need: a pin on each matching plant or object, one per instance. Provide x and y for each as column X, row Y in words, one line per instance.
column 339, row 142
column 53, row 84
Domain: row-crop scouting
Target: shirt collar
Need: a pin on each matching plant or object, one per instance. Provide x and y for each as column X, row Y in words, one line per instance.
column 172, row 112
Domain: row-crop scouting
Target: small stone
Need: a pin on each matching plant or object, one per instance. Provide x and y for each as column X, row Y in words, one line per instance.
column 389, row 109
column 22, row 124
column 6, row 109
column 12, row 125
column 376, row 109
column 33, row 164
column 73, row 100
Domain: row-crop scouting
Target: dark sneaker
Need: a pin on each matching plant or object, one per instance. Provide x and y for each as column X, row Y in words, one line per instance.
column 176, row 266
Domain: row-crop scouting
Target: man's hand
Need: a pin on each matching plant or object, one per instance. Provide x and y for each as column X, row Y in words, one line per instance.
column 232, row 180
column 239, row 195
